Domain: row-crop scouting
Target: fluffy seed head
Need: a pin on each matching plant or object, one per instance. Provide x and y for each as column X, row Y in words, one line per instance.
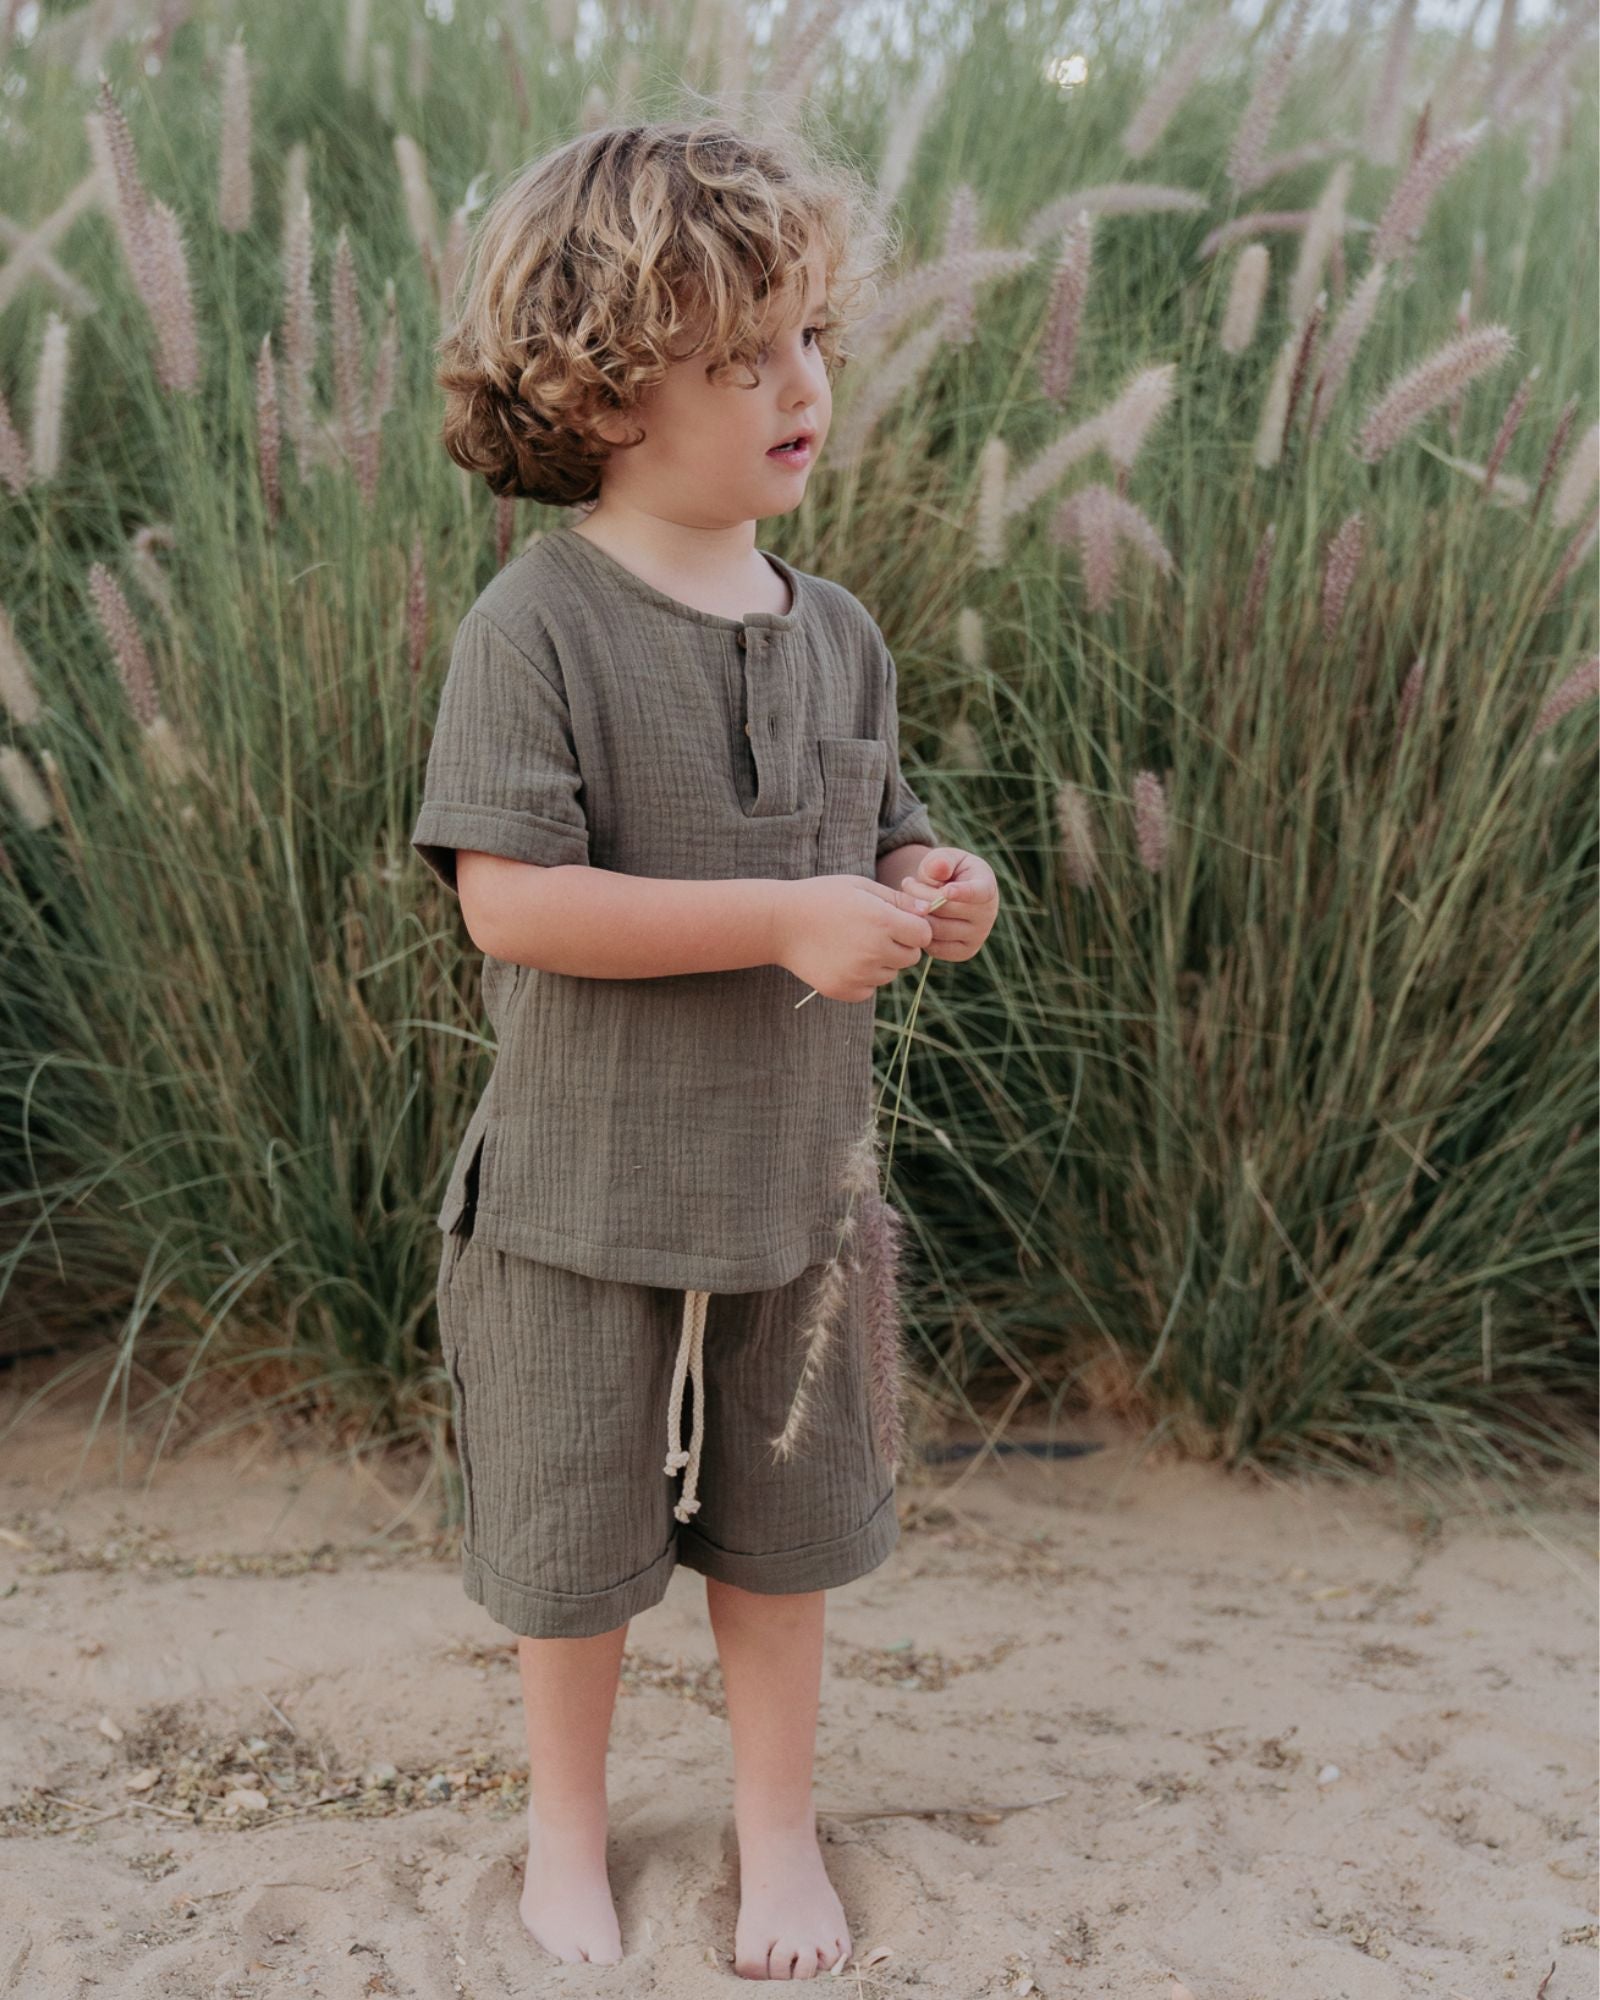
column 1433, row 381
column 1150, row 821
column 1245, row 294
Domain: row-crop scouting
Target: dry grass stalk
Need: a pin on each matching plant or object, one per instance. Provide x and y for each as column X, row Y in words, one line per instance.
column 1576, row 550
column 130, row 205
column 172, row 304
column 1259, row 221
column 959, row 320
column 13, row 455
column 1508, row 429
column 1401, row 223
column 233, row 176
column 1342, row 343
column 803, row 58
column 1110, row 198
column 453, row 259
column 127, row 647
column 152, row 578
column 421, row 212
column 1387, row 101
column 1433, row 381
column 1098, row 522
column 1344, row 557
column 1130, row 418
column 1274, row 407
column 883, row 388
column 353, row 62
column 1084, row 521
column 1291, row 162
column 1581, row 685
column 268, row 430
column 1302, row 363
column 1508, row 489
column 417, row 607
column 1557, row 445
column 1064, row 317
column 1046, row 468
column 1321, row 233
column 907, row 117
column 29, row 799
column 1179, row 73
column 19, row 692
column 969, row 640
column 1534, row 76
column 1578, row 479
column 28, row 251
column 300, row 334
column 1150, row 821
column 349, row 399
column 859, row 1183
column 1256, row 589
column 381, row 399
column 1411, row 693
column 1078, row 859
column 1266, row 99
column 938, row 282
column 990, row 510
column 882, row 1237
column 1248, row 288
column 49, row 399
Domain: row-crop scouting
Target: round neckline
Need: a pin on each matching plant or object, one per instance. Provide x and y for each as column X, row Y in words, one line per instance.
column 775, row 621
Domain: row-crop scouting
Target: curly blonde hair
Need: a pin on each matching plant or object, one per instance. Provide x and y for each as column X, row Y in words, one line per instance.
column 624, row 250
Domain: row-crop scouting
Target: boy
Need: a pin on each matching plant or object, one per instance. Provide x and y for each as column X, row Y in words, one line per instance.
column 664, row 783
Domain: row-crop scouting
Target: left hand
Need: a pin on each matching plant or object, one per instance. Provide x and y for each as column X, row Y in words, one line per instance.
column 972, row 900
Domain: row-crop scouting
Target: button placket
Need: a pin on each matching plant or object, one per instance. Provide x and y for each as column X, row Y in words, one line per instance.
column 769, row 703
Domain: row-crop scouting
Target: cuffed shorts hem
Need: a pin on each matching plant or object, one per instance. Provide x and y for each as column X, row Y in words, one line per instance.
column 560, row 1614
column 817, row 1566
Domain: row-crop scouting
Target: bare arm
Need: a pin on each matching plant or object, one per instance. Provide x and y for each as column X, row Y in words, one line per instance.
column 900, row 862
column 599, row 924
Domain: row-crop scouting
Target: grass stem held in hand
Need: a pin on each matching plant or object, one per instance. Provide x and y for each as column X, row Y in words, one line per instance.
column 931, row 908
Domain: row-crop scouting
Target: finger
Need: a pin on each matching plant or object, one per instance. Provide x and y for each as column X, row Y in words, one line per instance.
column 901, row 898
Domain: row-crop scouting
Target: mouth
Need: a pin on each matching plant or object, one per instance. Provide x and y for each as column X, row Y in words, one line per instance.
column 798, row 450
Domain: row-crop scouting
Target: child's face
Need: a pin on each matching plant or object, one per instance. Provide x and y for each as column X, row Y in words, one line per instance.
column 707, row 457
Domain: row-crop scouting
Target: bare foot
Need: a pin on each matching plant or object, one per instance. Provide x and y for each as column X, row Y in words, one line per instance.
column 791, row 1924
column 566, row 1897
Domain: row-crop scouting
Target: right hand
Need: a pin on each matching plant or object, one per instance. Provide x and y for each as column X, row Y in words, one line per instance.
column 847, row 935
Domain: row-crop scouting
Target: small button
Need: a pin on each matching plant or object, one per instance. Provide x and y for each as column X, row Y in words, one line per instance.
column 747, row 729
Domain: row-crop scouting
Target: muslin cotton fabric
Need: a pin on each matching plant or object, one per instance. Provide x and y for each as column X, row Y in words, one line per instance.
column 687, row 1130
column 559, row 1387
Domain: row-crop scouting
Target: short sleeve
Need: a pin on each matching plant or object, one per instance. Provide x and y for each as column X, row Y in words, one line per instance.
column 902, row 817
column 502, row 771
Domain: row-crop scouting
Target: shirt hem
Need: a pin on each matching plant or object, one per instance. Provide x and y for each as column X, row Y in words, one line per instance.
column 645, row 1264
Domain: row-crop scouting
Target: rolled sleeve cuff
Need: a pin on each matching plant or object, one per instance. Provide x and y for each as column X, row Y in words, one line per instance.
column 910, row 827
column 442, row 827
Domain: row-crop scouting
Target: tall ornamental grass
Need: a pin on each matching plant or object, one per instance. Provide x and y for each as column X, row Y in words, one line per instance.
column 1220, row 459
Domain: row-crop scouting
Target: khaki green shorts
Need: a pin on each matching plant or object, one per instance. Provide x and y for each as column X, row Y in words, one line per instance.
column 569, row 1393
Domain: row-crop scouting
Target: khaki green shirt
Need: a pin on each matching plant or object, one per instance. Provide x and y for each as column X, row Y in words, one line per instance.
column 688, row 1130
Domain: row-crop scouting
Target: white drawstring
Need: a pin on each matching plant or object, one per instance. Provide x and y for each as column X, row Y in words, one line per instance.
column 691, row 1357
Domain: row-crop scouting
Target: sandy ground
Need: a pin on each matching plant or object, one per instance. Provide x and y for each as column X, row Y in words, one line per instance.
column 1293, row 1740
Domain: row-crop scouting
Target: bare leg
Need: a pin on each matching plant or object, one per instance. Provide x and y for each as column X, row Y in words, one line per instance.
column 569, row 1689
column 791, row 1923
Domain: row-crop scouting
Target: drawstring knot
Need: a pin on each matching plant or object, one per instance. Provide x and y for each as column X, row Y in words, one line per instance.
column 690, row 1363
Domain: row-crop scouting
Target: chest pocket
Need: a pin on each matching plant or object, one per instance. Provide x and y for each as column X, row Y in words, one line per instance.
column 854, row 769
